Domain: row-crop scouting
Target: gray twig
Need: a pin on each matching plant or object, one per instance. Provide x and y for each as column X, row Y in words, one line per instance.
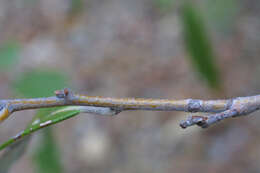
column 221, row 109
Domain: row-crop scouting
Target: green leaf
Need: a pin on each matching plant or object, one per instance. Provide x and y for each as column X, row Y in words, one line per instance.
column 42, row 120
column 9, row 54
column 46, row 157
column 39, row 83
column 198, row 45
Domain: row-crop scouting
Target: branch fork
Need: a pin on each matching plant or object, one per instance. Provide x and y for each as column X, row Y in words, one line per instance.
column 238, row 107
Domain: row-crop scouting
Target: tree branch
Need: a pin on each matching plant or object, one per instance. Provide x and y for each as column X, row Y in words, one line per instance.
column 100, row 105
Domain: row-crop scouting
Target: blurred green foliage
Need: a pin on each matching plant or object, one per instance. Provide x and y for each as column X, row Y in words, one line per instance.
column 40, row 83
column 221, row 14
column 198, row 45
column 76, row 7
column 47, row 156
column 163, row 5
column 9, row 54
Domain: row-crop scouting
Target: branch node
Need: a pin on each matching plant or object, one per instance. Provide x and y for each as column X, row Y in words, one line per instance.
column 194, row 105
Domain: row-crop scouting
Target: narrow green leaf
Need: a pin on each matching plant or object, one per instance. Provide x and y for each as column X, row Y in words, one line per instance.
column 198, row 45
column 9, row 54
column 42, row 120
column 47, row 155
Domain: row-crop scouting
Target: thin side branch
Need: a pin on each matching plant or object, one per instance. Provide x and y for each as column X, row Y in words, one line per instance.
column 221, row 109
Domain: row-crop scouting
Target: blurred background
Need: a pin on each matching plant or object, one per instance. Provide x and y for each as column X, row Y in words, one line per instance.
column 204, row 49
